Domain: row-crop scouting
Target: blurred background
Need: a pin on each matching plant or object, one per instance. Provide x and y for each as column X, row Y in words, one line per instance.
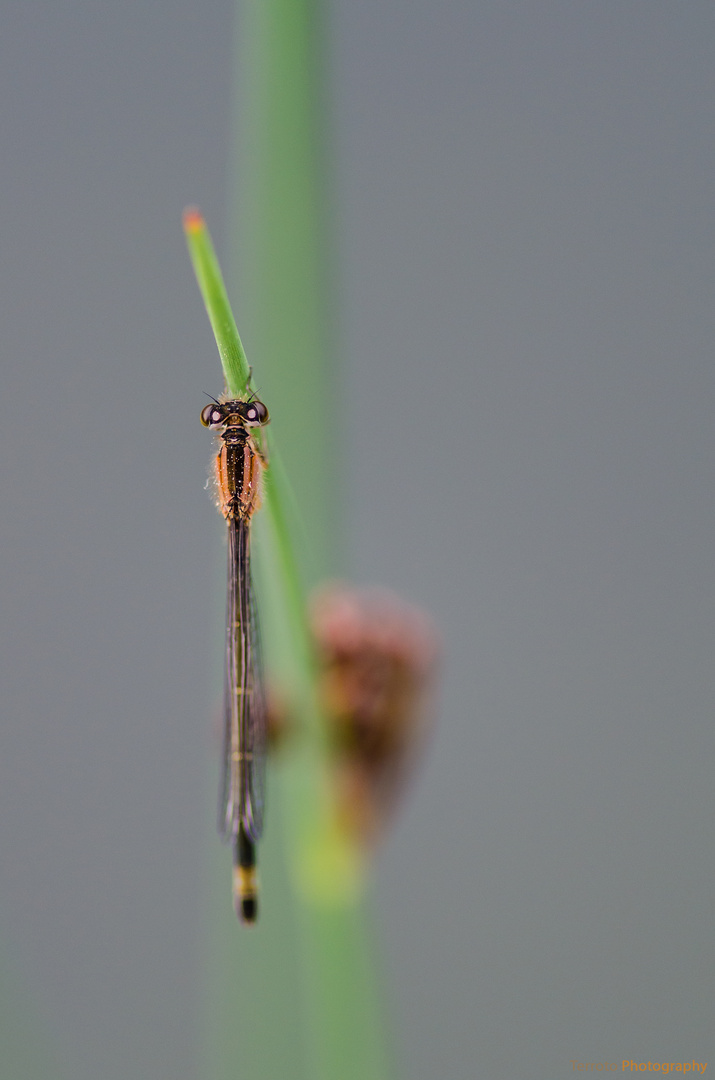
column 523, row 203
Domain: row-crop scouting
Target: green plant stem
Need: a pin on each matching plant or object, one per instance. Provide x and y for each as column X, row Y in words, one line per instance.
column 313, row 945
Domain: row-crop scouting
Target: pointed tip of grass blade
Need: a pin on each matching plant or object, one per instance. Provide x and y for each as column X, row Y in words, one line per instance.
column 193, row 219
column 211, row 285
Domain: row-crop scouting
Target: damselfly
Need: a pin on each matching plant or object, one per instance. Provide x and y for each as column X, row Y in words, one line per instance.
column 238, row 467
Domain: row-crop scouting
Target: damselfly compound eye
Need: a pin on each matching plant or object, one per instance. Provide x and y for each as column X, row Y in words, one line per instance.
column 212, row 415
column 255, row 413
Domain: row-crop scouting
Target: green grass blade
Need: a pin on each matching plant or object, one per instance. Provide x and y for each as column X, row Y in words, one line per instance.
column 342, row 1013
column 210, row 280
column 325, row 870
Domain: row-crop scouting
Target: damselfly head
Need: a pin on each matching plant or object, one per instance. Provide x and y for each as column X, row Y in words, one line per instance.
column 248, row 413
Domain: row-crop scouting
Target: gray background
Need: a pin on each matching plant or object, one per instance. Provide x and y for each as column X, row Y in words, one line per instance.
column 525, row 227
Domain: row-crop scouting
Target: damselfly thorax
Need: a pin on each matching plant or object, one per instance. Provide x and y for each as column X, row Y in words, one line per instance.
column 239, row 463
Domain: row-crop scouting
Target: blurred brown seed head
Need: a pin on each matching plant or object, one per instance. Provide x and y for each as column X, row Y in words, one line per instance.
column 377, row 660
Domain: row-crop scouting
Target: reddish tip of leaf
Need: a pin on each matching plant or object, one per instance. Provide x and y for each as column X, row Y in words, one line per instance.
column 193, row 219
